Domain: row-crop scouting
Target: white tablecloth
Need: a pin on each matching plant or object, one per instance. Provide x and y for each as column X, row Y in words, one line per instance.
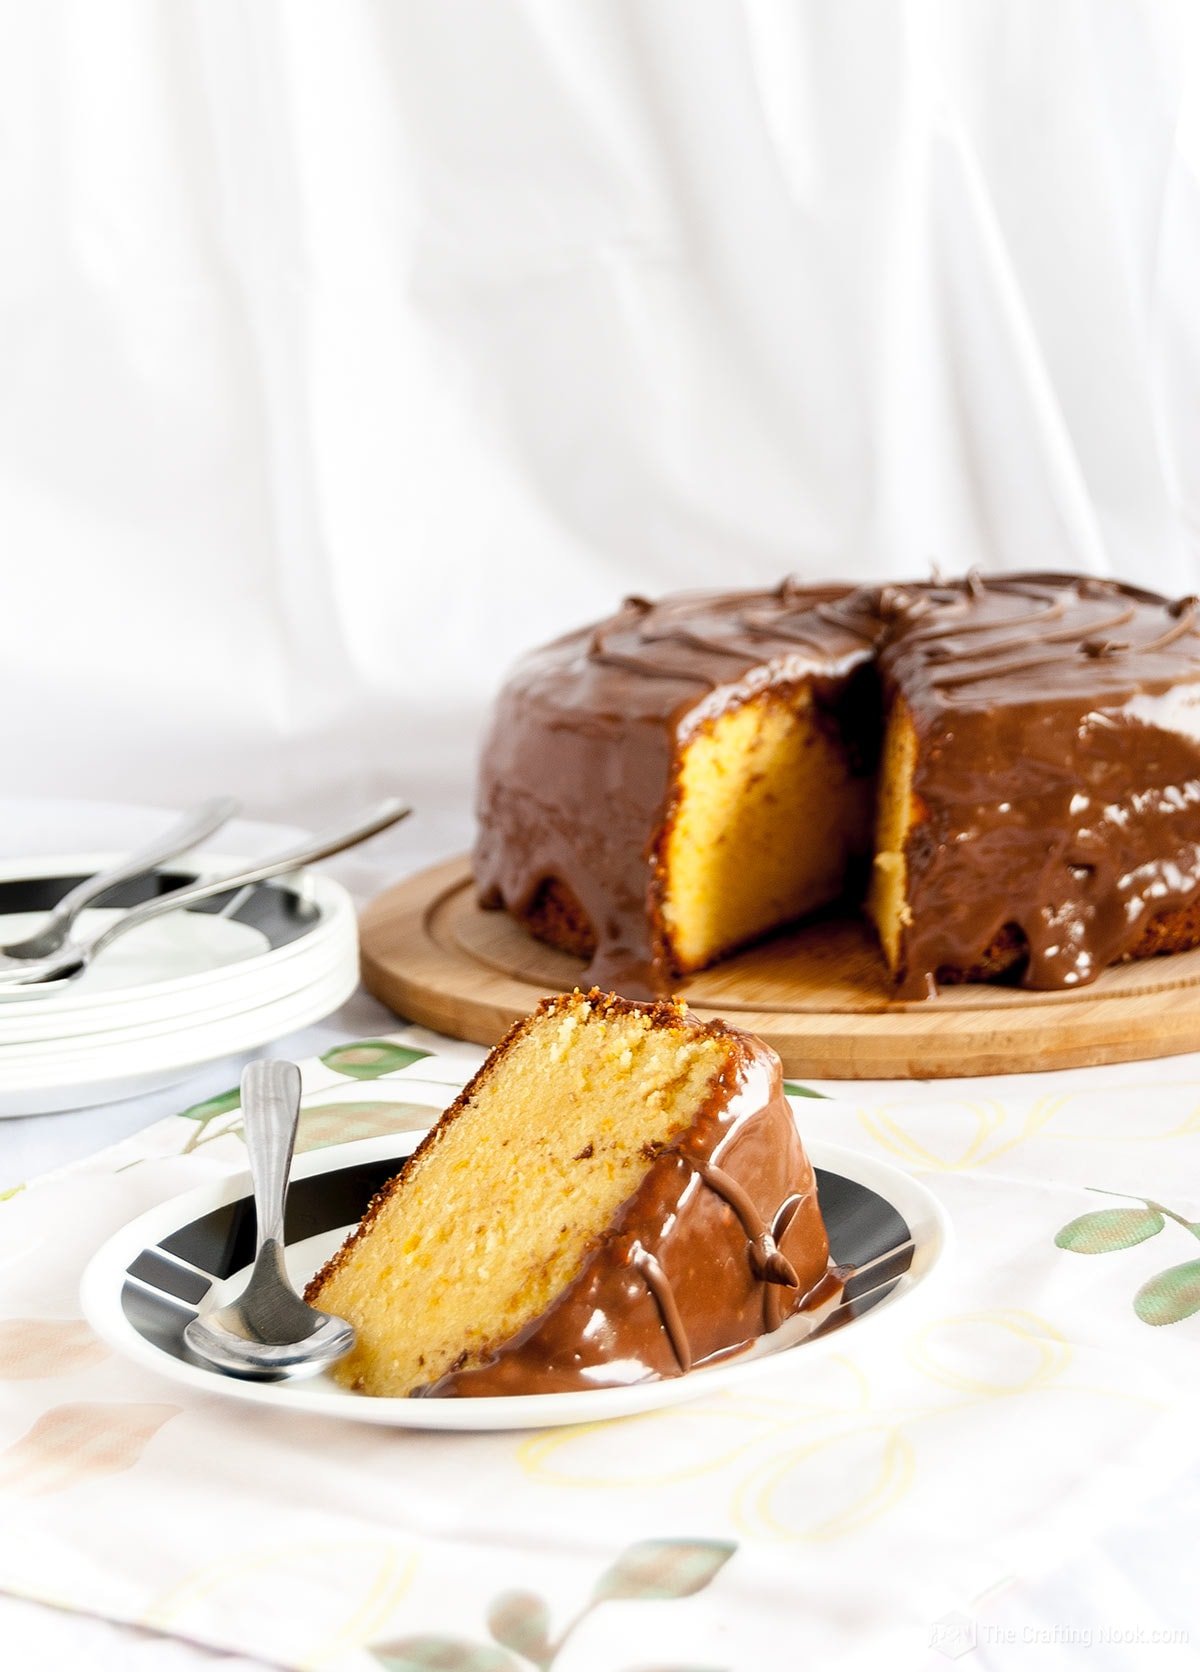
column 1124, row 1597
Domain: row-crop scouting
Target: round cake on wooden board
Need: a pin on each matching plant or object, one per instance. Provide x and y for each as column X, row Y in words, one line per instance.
column 620, row 1193
column 818, row 993
column 1004, row 771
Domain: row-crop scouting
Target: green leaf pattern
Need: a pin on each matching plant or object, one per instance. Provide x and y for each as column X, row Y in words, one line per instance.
column 795, row 1089
column 203, row 1114
column 1171, row 1296
column 659, row 1569
column 1110, row 1229
column 521, row 1621
column 368, row 1059
column 212, row 1107
column 1166, row 1298
column 325, row 1123
column 652, row 1570
column 442, row 1654
column 344, row 1123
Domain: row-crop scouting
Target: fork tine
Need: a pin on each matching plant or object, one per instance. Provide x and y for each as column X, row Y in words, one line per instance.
column 850, row 1305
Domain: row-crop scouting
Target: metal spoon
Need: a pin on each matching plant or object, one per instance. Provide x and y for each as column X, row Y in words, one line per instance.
column 185, row 833
column 269, row 1333
column 30, row 979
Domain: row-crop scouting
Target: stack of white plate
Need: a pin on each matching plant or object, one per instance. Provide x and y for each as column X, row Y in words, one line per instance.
column 230, row 974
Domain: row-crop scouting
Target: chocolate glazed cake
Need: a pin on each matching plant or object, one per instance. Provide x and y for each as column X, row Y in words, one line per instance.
column 700, row 1261
column 1007, row 769
column 620, row 1194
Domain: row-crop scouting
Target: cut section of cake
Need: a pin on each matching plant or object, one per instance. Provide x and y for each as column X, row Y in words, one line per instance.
column 732, row 862
column 898, row 814
column 619, row 1194
column 682, row 778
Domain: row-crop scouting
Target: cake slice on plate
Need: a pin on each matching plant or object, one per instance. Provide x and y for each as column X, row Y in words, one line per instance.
column 620, row 1193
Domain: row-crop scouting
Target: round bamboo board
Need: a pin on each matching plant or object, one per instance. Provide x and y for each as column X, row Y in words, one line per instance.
column 819, row 994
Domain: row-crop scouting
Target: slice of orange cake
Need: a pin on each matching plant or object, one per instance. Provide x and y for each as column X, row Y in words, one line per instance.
column 620, row 1193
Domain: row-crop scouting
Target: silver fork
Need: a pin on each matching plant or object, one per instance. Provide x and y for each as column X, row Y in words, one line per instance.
column 30, row 979
column 187, row 832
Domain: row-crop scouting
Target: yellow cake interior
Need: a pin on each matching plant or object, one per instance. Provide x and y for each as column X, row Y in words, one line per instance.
column 897, row 812
column 492, row 1220
column 768, row 816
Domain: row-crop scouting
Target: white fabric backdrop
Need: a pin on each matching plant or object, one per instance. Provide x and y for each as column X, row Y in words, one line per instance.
column 347, row 349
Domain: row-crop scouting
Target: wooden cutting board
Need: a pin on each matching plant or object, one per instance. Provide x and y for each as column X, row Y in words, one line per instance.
column 818, row 994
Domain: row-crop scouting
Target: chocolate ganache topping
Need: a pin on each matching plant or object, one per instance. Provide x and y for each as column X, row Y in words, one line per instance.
column 1057, row 721
column 1058, row 770
column 577, row 770
column 721, row 1242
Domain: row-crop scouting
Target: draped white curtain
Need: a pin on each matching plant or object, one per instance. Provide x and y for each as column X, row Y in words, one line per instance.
column 347, row 349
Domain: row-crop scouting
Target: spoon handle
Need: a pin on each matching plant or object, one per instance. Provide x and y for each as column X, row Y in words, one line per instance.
column 270, row 1113
column 386, row 813
column 183, row 834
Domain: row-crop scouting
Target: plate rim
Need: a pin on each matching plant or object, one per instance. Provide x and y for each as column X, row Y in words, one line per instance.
column 331, row 899
column 172, row 1045
column 103, row 1279
column 339, row 955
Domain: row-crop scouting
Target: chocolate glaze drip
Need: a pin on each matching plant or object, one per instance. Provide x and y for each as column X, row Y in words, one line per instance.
column 777, row 1303
column 766, row 1261
column 659, row 1285
column 670, row 1284
column 1058, row 728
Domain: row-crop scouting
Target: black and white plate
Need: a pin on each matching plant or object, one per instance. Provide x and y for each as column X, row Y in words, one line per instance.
column 186, row 1255
column 224, row 976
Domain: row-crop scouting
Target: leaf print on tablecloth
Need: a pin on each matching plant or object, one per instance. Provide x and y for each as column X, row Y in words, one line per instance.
column 521, row 1621
column 652, row 1570
column 657, row 1569
column 795, row 1089
column 1108, row 1229
column 35, row 1347
column 221, row 1104
column 204, row 1113
column 343, row 1123
column 202, row 1116
column 1170, row 1297
column 362, row 1059
column 321, row 1124
column 369, row 1059
column 442, row 1654
column 1166, row 1298
column 75, row 1443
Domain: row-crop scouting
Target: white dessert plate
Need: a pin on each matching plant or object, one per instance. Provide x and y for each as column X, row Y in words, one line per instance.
column 182, row 954
column 120, row 1067
column 191, row 987
column 142, row 1287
